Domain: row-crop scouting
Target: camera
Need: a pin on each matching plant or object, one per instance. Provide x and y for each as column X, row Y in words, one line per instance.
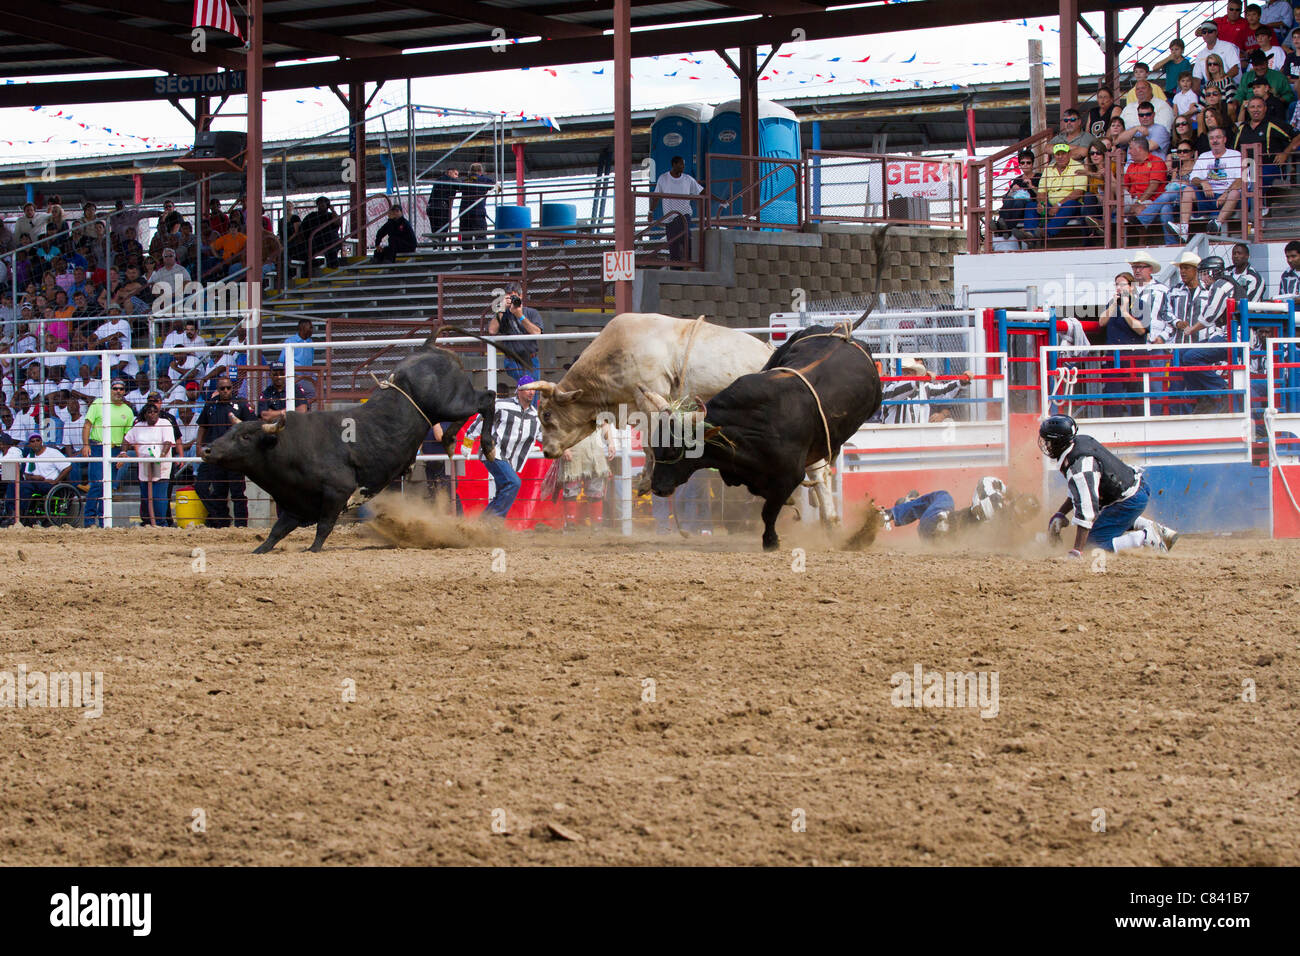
column 515, row 302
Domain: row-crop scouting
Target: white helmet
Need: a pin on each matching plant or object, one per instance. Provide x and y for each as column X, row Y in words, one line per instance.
column 988, row 498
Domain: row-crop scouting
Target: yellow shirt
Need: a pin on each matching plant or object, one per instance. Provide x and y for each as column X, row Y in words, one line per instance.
column 1056, row 184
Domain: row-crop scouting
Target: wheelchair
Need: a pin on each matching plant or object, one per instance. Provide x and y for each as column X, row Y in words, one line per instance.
column 62, row 505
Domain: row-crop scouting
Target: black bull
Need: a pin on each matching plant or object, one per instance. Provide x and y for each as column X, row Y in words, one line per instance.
column 313, row 463
column 764, row 429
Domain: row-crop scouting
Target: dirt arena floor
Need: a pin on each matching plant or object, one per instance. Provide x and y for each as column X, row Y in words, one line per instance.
column 504, row 716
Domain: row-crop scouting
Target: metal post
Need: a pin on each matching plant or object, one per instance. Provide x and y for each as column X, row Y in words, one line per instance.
column 106, row 441
column 623, row 209
column 285, row 266
column 289, row 378
column 1068, row 61
column 253, row 174
column 625, row 478
column 410, row 146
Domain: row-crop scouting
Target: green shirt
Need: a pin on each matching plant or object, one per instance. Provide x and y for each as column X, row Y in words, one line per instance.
column 1276, row 80
column 120, row 417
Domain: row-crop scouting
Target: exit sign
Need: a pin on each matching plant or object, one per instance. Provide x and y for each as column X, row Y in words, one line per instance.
column 619, row 266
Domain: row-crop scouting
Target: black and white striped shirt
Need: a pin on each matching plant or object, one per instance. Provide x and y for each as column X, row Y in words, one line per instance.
column 1250, row 283
column 1289, row 284
column 1210, row 310
column 515, row 431
column 919, row 392
column 1151, row 308
column 1179, row 304
column 1096, row 478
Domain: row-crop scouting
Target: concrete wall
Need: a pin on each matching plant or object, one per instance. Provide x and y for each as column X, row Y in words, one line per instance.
column 757, row 273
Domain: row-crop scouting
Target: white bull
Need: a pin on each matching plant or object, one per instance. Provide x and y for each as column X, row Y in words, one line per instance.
column 675, row 357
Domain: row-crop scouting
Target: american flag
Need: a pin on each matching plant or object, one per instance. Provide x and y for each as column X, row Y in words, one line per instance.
column 216, row 14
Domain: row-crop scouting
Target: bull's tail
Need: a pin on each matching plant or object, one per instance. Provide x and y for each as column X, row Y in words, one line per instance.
column 880, row 278
column 517, row 357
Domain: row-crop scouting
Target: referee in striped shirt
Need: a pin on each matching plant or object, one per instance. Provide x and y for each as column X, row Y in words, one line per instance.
column 1289, row 283
column 516, row 430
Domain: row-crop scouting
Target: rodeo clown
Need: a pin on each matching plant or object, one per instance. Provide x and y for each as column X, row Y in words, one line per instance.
column 937, row 515
column 1106, row 495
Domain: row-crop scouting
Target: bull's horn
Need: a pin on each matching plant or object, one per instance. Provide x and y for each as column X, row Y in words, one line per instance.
column 272, row 428
column 653, row 399
column 546, row 388
column 563, row 398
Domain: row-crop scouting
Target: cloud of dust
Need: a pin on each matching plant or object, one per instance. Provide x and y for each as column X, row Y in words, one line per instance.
column 409, row 522
column 862, row 537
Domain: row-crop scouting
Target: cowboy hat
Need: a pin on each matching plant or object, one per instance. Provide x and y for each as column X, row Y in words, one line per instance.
column 1144, row 258
column 1188, row 258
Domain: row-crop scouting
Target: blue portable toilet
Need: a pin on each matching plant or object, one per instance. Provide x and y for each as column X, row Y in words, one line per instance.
column 681, row 130
column 778, row 137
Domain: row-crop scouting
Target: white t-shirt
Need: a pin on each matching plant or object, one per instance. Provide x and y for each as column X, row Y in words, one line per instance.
column 175, row 340
column 57, row 363
column 1276, row 58
column 683, row 185
column 94, row 388
column 72, row 429
column 148, row 441
column 1218, row 173
column 9, row 468
column 124, row 327
column 137, row 397
column 1186, row 101
column 189, row 434
column 1164, row 115
column 49, row 464
column 23, row 427
column 1226, row 51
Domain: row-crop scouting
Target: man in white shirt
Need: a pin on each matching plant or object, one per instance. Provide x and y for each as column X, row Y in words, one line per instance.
column 1163, row 113
column 677, row 224
column 1216, row 186
column 56, row 365
column 168, row 280
column 87, row 387
column 115, row 333
column 1226, row 51
column 24, row 419
column 30, row 227
column 137, row 397
column 45, row 467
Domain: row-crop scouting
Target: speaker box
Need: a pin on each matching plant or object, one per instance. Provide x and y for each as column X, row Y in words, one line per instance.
column 223, row 144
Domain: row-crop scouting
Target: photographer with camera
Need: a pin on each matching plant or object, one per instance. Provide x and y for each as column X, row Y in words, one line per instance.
column 518, row 319
column 1123, row 327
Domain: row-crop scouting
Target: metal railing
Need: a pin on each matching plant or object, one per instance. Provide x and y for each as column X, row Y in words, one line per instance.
column 855, row 187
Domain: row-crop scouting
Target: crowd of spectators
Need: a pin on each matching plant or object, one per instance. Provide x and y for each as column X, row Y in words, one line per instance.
column 1173, row 140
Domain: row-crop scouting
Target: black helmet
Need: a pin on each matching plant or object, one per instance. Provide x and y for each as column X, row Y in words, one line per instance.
column 1212, row 266
column 1056, row 434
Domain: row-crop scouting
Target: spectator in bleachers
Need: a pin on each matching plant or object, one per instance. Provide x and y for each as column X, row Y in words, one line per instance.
column 1073, row 136
column 1278, row 17
column 1161, row 113
column 274, row 401
column 132, row 295
column 1020, row 202
column 171, row 273
column 1291, row 66
column 186, row 246
column 1174, row 65
column 1249, row 283
column 24, row 421
column 1216, row 78
column 1155, row 134
column 1268, row 45
column 1250, row 42
column 218, row 221
column 1259, row 70
column 128, row 251
column 1098, row 117
column 1232, row 27
column 1145, row 177
column 395, row 237
column 44, row 468
column 137, row 396
column 303, row 354
column 1060, row 195
column 1186, row 104
column 29, row 227
column 1216, row 187
column 115, row 333
column 322, row 229
column 1273, row 142
column 1288, row 284
column 1141, row 75
column 151, row 438
column 87, row 386
column 1214, row 116
column 1163, row 207
column 230, row 247
column 441, row 197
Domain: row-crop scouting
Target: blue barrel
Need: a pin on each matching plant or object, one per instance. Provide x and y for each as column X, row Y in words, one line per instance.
column 511, row 222
column 560, row 217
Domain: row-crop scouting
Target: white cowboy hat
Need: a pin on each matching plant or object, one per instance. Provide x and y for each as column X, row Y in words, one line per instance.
column 1188, row 258
column 1144, row 258
column 912, row 364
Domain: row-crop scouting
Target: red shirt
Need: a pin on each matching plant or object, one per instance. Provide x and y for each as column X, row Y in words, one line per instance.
column 1138, row 176
column 1239, row 34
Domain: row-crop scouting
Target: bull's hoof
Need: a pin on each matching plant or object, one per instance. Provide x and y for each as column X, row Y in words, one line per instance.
column 771, row 545
column 262, row 548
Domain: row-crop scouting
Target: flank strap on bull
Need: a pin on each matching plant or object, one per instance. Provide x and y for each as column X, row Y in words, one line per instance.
column 686, row 355
column 816, row 398
column 389, row 383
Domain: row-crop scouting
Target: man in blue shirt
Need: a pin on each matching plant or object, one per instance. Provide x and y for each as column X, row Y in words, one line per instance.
column 302, row 355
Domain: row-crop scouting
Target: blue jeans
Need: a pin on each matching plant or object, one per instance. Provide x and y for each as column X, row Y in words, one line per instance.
column 507, row 481
column 160, row 488
column 95, row 496
column 926, row 509
column 1067, row 211
column 1163, row 207
column 514, row 369
column 1019, row 213
column 691, row 501
column 1114, row 520
column 1207, row 380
